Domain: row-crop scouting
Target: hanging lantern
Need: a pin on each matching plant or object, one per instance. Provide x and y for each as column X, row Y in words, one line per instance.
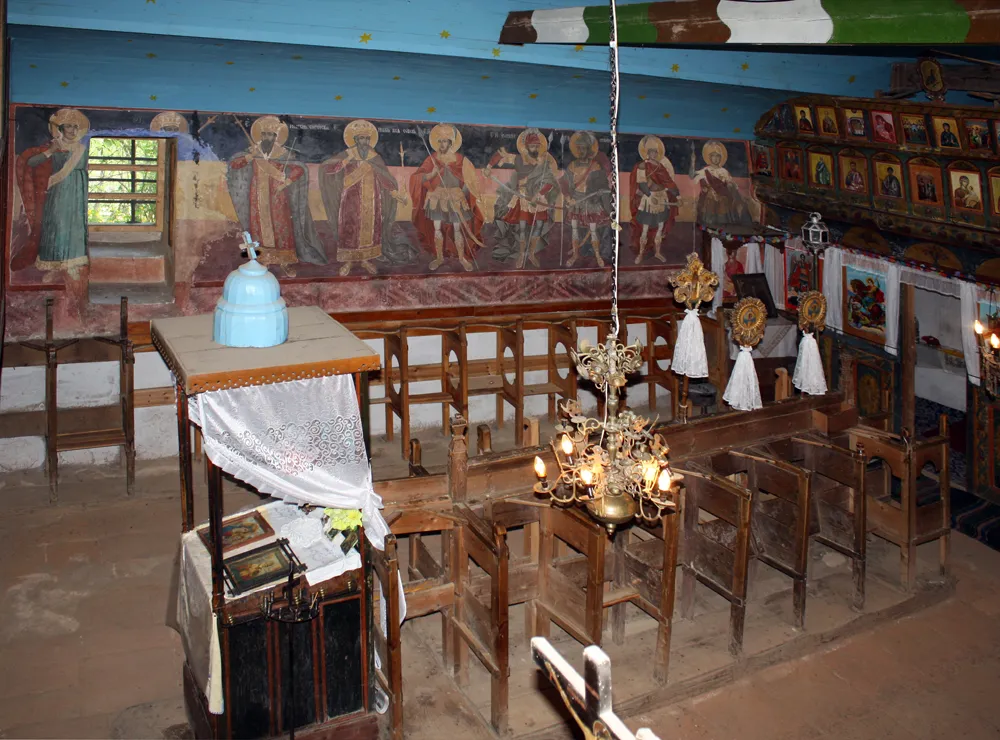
column 815, row 235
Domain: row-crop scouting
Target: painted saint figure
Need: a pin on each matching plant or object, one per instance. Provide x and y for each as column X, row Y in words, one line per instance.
column 271, row 196
column 360, row 195
column 588, row 194
column 891, row 187
column 948, row 137
column 720, row 202
column 524, row 208
column 805, row 125
column 854, row 181
column 653, row 197
column 822, row 173
column 445, row 195
column 966, row 196
column 53, row 183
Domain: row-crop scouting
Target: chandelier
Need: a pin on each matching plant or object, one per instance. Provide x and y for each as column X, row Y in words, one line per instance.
column 615, row 467
column 989, row 355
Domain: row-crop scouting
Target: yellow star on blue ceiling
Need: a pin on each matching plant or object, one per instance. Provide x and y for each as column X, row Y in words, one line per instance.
column 445, row 34
column 432, row 109
column 496, row 52
column 578, row 47
column 365, row 38
column 592, row 119
column 675, row 68
column 745, row 66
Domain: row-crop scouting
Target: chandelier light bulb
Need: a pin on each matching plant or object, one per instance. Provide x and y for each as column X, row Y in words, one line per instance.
column 649, row 471
column 664, row 482
column 978, row 327
column 567, row 445
column 995, row 341
column 587, row 476
column 539, row 467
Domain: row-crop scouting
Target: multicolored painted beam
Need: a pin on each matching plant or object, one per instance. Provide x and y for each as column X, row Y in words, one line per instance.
column 764, row 22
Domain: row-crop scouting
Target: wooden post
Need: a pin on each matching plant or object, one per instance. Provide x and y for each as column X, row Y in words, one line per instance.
column 848, row 381
column 783, row 386
column 184, row 455
column 908, row 355
column 458, row 461
column 484, row 439
column 51, row 403
column 531, row 437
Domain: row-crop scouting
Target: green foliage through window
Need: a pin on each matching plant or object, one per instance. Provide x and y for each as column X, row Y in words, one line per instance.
column 123, row 185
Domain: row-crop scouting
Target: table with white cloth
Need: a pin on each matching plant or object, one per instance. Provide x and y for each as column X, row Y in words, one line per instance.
column 291, row 422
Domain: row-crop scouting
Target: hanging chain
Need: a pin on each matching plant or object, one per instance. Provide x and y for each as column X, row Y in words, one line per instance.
column 615, row 182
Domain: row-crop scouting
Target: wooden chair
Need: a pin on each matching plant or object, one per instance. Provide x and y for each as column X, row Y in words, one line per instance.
column 571, row 592
column 462, row 384
column 837, row 494
column 77, row 428
column 782, row 521
column 514, row 390
column 716, row 553
column 399, row 398
column 663, row 328
column 907, row 523
column 386, row 641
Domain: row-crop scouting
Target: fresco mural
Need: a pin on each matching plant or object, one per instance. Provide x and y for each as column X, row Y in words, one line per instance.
column 348, row 206
column 334, row 197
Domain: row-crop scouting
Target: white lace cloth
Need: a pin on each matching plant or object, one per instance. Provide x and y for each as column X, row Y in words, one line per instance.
column 743, row 391
column 809, row 376
column 689, row 353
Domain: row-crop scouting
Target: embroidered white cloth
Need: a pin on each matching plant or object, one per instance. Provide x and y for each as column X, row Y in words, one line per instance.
column 300, row 441
column 809, row 376
column 690, row 357
column 743, row 391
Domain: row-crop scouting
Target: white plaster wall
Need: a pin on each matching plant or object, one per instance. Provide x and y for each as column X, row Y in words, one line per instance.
column 156, row 427
column 91, row 384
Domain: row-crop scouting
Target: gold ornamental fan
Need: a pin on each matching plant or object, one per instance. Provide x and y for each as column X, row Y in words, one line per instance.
column 748, row 320
column 812, row 311
column 694, row 284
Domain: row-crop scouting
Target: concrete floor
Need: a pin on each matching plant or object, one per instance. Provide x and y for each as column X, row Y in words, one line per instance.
column 84, row 651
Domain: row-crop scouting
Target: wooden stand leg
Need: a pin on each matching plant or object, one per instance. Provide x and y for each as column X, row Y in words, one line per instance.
column 215, row 531
column 184, row 456
column 668, row 581
column 52, row 423
column 618, row 546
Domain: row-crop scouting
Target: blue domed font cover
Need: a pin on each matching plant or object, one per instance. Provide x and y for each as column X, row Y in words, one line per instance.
column 251, row 312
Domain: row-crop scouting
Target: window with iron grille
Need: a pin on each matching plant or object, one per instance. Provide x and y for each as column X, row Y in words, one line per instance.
column 126, row 184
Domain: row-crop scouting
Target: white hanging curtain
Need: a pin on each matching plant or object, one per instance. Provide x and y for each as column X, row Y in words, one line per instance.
column 743, row 391
column 970, row 341
column 719, row 268
column 833, row 281
column 300, row 441
column 754, row 263
column 809, row 376
column 774, row 269
column 892, row 308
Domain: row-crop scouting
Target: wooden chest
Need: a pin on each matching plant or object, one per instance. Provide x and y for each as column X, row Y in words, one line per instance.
column 331, row 685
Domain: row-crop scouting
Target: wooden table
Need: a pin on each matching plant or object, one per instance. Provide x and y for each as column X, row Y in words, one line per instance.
column 317, row 346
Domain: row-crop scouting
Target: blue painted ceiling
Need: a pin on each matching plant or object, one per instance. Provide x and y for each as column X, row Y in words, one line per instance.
column 406, row 59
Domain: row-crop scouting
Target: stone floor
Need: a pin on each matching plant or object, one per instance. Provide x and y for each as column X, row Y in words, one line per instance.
column 84, row 651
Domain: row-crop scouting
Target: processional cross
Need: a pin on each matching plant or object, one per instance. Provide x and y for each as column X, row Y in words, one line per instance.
column 589, row 701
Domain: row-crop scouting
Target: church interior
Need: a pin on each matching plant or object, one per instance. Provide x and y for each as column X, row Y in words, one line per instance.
column 500, row 370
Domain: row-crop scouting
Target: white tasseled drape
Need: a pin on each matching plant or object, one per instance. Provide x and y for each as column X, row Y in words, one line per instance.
column 774, row 269
column 892, row 308
column 690, row 358
column 743, row 391
column 719, row 268
column 754, row 263
column 809, row 376
column 833, row 282
column 970, row 342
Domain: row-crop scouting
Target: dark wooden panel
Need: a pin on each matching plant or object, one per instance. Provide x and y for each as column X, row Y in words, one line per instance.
column 304, row 709
column 342, row 644
column 248, row 704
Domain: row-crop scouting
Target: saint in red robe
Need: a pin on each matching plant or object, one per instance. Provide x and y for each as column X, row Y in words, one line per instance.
column 444, row 189
column 651, row 190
